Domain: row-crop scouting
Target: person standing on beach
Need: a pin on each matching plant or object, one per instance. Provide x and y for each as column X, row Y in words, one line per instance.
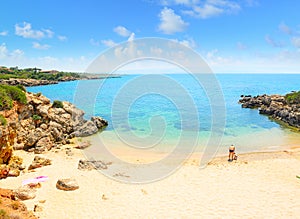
column 231, row 153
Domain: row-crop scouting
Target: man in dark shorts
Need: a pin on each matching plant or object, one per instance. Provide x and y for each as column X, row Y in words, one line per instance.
column 231, row 153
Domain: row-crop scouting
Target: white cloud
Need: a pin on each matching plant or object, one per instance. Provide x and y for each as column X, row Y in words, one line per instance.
column 131, row 37
column 285, row 29
column 3, row 51
column 108, row 43
column 187, row 42
column 37, row 45
column 4, row 33
column 171, row 22
column 62, row 38
column 122, row 31
column 17, row 53
column 272, row 42
column 212, row 8
column 48, row 33
column 296, row 42
column 25, row 30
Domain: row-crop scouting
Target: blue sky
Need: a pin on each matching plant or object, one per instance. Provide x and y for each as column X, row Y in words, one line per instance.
column 238, row 36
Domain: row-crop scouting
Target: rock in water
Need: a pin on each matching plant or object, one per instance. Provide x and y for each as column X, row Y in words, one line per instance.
column 67, row 184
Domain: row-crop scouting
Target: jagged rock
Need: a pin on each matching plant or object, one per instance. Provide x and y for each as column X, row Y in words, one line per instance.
column 37, row 126
column 39, row 162
column 43, row 145
column 275, row 106
column 67, row 184
column 88, row 128
column 99, row 122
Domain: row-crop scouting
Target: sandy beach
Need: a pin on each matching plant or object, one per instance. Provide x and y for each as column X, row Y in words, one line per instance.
column 258, row 185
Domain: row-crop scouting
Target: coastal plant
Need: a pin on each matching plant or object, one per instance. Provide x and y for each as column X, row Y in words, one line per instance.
column 8, row 94
column 36, row 117
column 293, row 98
column 21, row 87
column 57, row 104
column 3, row 120
column 38, row 94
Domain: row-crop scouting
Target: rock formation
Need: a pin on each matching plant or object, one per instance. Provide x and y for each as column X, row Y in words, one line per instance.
column 38, row 126
column 41, row 125
column 275, row 106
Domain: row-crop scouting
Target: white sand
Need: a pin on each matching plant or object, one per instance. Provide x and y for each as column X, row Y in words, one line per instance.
column 258, row 185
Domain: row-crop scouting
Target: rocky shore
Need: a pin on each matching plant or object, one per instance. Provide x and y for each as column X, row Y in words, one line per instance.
column 26, row 82
column 275, row 106
column 39, row 126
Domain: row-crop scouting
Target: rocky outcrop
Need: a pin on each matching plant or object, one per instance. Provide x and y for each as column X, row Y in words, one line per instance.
column 275, row 106
column 40, row 125
column 11, row 207
column 26, row 82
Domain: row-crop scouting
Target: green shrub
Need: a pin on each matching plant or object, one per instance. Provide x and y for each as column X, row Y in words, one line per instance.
column 10, row 93
column 3, row 120
column 57, row 104
column 293, row 98
column 21, row 87
column 36, row 117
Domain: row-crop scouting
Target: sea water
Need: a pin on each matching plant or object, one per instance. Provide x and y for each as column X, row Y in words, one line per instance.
column 150, row 114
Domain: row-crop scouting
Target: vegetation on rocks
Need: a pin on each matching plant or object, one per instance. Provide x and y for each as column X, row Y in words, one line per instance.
column 2, row 120
column 57, row 104
column 35, row 73
column 293, row 98
column 8, row 94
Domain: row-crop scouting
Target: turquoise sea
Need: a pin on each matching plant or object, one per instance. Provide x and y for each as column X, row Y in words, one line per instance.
column 150, row 112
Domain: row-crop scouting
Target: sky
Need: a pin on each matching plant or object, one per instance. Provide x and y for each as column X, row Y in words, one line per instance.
column 232, row 36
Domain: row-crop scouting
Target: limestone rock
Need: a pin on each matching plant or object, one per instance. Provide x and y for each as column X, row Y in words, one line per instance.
column 88, row 128
column 25, row 192
column 99, row 122
column 67, row 184
column 274, row 106
column 39, row 162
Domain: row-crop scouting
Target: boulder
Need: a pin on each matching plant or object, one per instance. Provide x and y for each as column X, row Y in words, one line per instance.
column 39, row 162
column 67, row 184
column 25, row 192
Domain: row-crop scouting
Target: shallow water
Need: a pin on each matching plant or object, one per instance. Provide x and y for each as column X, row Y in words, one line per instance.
column 163, row 112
